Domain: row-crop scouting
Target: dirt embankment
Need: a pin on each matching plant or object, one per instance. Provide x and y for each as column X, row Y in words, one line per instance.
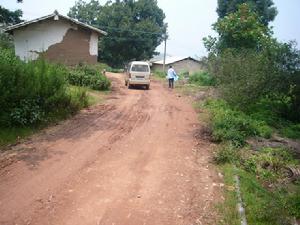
column 134, row 160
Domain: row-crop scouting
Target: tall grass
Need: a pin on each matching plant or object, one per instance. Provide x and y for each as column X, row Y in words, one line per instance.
column 32, row 92
column 233, row 125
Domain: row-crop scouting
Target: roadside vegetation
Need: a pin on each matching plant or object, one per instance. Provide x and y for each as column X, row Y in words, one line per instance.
column 252, row 114
column 88, row 76
column 257, row 80
column 37, row 93
column 202, row 78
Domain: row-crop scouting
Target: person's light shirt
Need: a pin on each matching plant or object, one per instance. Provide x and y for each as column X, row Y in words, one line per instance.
column 171, row 73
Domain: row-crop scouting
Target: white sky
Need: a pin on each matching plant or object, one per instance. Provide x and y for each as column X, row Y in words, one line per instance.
column 189, row 20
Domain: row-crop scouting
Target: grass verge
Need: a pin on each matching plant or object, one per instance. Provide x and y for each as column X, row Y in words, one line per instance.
column 80, row 97
column 263, row 206
column 270, row 196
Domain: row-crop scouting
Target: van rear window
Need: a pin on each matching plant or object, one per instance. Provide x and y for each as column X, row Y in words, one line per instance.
column 140, row 68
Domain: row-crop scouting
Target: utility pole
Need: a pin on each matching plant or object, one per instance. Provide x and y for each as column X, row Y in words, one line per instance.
column 165, row 52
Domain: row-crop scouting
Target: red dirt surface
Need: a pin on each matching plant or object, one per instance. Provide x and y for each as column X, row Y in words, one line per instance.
column 134, row 160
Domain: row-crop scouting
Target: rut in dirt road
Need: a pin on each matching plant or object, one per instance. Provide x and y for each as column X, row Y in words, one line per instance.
column 134, row 160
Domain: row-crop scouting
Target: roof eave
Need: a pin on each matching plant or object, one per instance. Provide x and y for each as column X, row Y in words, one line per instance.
column 10, row 29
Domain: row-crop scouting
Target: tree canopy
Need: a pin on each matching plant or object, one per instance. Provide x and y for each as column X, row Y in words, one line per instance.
column 8, row 17
column 264, row 8
column 241, row 29
column 86, row 12
column 135, row 28
column 250, row 65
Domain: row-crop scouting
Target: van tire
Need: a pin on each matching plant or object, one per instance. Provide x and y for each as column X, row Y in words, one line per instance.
column 129, row 86
column 148, row 87
column 126, row 83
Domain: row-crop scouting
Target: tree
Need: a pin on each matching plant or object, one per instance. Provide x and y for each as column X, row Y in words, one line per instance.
column 264, row 8
column 251, row 66
column 8, row 17
column 241, row 29
column 86, row 12
column 135, row 28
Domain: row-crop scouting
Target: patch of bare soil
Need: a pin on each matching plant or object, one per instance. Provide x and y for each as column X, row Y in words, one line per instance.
column 134, row 160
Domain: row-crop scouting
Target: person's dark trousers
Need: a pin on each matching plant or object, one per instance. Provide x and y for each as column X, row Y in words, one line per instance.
column 171, row 83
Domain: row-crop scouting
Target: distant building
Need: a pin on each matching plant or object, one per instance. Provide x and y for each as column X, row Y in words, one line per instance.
column 180, row 64
column 57, row 38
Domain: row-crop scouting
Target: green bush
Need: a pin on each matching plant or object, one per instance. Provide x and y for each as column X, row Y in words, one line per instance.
column 32, row 91
column 79, row 98
column 291, row 131
column 160, row 74
column 88, row 76
column 233, row 125
column 227, row 154
column 268, row 164
column 202, row 79
column 246, row 76
column 6, row 41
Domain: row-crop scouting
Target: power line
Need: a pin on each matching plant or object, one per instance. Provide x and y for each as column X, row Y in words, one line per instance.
column 129, row 30
column 125, row 38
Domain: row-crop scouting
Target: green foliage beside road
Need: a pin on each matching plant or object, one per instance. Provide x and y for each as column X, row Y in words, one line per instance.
column 30, row 91
column 263, row 206
column 160, row 74
column 258, row 81
column 35, row 92
column 246, row 77
column 88, row 76
column 229, row 125
column 202, row 78
column 252, row 66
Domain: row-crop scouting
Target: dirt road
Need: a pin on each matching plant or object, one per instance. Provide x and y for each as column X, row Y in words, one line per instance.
column 131, row 161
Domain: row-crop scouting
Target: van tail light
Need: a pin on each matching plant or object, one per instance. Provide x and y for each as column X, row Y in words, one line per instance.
column 129, row 75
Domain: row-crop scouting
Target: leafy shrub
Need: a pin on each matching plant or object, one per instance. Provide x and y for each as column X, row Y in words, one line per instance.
column 115, row 70
column 88, row 76
column 103, row 66
column 26, row 113
column 202, row 78
column 227, row 154
column 268, row 164
column 31, row 91
column 79, row 98
column 291, row 131
column 233, row 125
column 246, row 76
column 160, row 74
column 6, row 41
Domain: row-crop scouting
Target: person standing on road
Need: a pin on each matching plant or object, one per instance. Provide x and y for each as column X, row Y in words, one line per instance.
column 171, row 76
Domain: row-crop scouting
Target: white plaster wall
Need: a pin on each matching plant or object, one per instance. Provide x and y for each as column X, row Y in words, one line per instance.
column 94, row 44
column 39, row 37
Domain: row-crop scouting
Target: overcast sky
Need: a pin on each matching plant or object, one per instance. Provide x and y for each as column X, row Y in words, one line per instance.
column 189, row 20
